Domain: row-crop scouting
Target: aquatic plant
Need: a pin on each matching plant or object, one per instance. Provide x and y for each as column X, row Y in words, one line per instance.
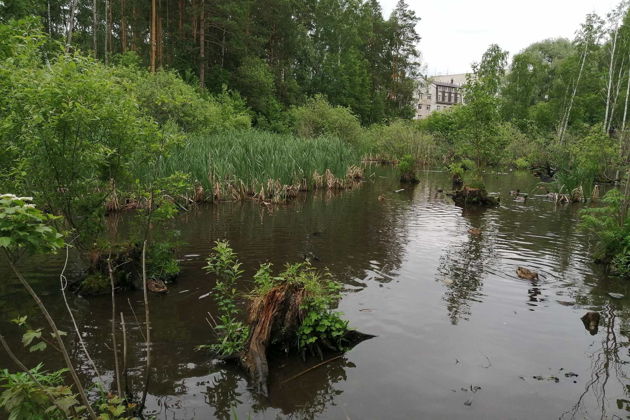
column 240, row 164
column 231, row 332
column 292, row 310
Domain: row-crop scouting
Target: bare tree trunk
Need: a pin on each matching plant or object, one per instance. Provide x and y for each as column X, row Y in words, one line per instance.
column 202, row 45
column 107, row 33
column 55, row 330
column 94, row 26
column 567, row 115
column 49, row 21
column 110, row 46
column 70, row 25
column 123, row 27
column 153, row 33
column 613, row 106
column 180, row 24
column 610, row 78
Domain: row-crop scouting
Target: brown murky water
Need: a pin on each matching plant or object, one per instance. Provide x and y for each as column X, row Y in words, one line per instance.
column 459, row 334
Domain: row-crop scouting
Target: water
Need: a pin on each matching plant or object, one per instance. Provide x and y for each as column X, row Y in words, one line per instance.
column 459, row 335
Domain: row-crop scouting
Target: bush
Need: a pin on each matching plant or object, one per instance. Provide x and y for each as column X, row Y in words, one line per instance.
column 318, row 118
column 23, row 398
column 610, row 226
column 400, row 138
column 166, row 97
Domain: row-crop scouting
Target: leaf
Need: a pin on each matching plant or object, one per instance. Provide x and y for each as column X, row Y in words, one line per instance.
column 5, row 241
column 41, row 346
column 30, row 335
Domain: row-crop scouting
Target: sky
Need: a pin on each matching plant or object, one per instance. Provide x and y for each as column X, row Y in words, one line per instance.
column 455, row 33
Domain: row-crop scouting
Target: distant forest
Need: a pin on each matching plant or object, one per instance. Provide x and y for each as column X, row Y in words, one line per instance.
column 275, row 53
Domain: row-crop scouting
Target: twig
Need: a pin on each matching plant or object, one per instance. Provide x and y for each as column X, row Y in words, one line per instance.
column 136, row 318
column 311, row 368
column 489, row 362
column 64, row 284
column 124, row 361
column 148, row 325
column 114, row 344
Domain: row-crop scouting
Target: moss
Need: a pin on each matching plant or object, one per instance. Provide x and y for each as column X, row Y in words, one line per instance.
column 95, row 284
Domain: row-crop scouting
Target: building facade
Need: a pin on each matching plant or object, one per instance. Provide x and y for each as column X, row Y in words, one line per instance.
column 438, row 93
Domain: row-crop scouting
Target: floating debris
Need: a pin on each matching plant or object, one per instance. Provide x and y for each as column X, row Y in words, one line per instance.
column 205, row 296
column 616, row 295
column 192, row 255
column 400, row 190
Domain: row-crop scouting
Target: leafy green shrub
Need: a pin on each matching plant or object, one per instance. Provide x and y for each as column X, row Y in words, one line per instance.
column 610, row 226
column 232, row 333
column 407, row 169
column 400, row 138
column 318, row 118
column 166, row 97
column 521, row 163
column 23, row 398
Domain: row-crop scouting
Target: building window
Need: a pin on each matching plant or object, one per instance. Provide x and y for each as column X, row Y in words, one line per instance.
column 428, row 96
column 428, row 107
column 438, row 108
column 421, row 96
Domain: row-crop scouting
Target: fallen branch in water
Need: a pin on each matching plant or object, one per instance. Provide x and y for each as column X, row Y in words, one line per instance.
column 311, row 368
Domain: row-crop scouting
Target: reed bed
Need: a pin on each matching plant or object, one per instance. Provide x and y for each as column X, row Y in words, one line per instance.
column 267, row 166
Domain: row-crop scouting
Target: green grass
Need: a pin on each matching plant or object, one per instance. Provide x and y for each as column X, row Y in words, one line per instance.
column 255, row 157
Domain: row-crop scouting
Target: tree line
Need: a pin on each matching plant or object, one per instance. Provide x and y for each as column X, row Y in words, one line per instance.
column 276, row 53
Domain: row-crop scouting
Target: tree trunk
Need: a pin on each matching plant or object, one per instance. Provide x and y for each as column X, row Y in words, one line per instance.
column 123, row 27
column 202, row 45
column 153, row 34
column 94, row 29
column 107, row 32
column 70, row 25
column 610, row 78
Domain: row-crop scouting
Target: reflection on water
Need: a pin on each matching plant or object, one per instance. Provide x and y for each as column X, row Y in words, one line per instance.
column 451, row 316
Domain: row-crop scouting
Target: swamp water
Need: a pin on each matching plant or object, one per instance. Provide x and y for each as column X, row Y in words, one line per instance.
column 459, row 335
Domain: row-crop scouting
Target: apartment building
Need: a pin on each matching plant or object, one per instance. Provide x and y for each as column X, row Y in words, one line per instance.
column 438, row 93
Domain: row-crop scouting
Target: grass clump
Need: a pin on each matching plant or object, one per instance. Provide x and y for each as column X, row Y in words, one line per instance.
column 245, row 163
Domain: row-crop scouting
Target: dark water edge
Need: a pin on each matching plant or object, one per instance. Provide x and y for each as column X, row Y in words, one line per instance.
column 459, row 334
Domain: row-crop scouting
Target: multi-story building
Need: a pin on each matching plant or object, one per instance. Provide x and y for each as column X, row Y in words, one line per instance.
column 438, row 93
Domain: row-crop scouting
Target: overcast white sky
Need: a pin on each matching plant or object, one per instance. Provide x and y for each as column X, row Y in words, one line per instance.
column 455, row 33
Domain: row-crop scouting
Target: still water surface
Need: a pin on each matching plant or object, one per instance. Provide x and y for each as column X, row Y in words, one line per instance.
column 459, row 335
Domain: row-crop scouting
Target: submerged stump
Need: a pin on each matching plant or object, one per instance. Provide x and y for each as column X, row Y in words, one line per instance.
column 274, row 320
column 473, row 196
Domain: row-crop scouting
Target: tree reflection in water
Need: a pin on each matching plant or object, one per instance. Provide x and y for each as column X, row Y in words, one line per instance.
column 462, row 267
column 293, row 389
column 607, row 368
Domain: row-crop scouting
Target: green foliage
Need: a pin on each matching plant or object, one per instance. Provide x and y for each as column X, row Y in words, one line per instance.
column 610, row 226
column 585, row 159
column 25, row 229
column 318, row 118
column 23, row 398
column 70, row 129
column 231, row 332
column 254, row 157
column 397, row 139
column 166, row 97
column 320, row 324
